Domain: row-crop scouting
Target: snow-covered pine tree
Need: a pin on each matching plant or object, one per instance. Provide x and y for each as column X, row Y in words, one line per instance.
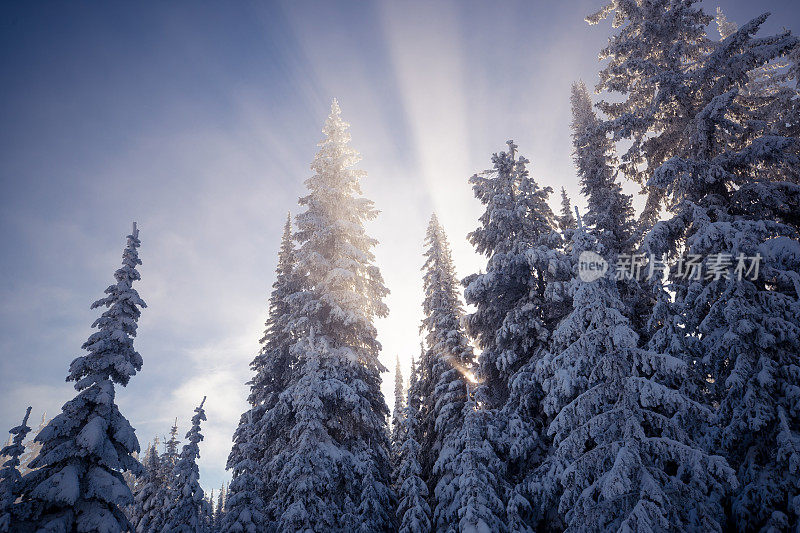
column 399, row 407
column 32, row 446
column 567, row 220
column 333, row 414
column 170, row 456
column 186, row 512
column 10, row 477
column 480, row 507
column 518, row 301
column 163, row 496
column 622, row 456
column 78, row 484
column 731, row 191
column 655, row 41
column 445, row 368
column 413, row 511
column 257, row 438
column 219, row 510
column 771, row 94
column 242, row 510
column 4, row 458
column 609, row 215
column 146, row 504
column 728, row 174
column 208, row 514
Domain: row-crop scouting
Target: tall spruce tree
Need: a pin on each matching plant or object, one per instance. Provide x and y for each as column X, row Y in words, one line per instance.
column 332, row 413
column 413, row 511
column 146, row 503
column 445, row 367
column 622, row 460
column 10, row 477
column 724, row 189
column 518, row 301
column 609, row 216
column 258, row 438
column 32, row 447
column 727, row 173
column 186, row 511
column 242, row 510
column 162, row 498
column 399, row 407
column 78, row 484
column 655, row 41
column 567, row 220
column 480, row 505
column 219, row 510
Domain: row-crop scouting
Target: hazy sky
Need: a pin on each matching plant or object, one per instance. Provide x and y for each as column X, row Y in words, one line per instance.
column 199, row 121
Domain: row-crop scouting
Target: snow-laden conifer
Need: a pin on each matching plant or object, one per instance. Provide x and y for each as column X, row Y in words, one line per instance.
column 480, row 505
column 399, row 407
column 242, row 510
column 518, row 301
column 185, row 512
column 219, row 508
column 609, row 214
column 32, row 446
column 622, row 456
column 332, row 416
column 78, row 484
column 566, row 221
column 727, row 173
column 413, row 511
column 10, row 477
column 258, row 437
column 655, row 41
column 445, row 367
column 146, row 502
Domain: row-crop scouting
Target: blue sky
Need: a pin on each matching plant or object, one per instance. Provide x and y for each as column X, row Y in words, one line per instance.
column 200, row 120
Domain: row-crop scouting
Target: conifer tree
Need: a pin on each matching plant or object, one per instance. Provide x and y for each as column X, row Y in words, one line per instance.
column 609, row 216
column 567, row 220
column 623, row 458
column 146, row 503
column 722, row 166
column 78, row 483
column 643, row 57
column 186, row 511
column 399, row 407
column 163, row 496
column 10, row 477
column 241, row 510
column 723, row 190
column 480, row 507
column 446, row 365
column 332, row 414
column 219, row 512
column 32, row 446
column 518, row 302
column 257, row 438
column 413, row 511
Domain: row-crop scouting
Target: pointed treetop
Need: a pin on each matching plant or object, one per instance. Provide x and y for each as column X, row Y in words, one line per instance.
column 512, row 148
column 334, row 122
column 111, row 355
